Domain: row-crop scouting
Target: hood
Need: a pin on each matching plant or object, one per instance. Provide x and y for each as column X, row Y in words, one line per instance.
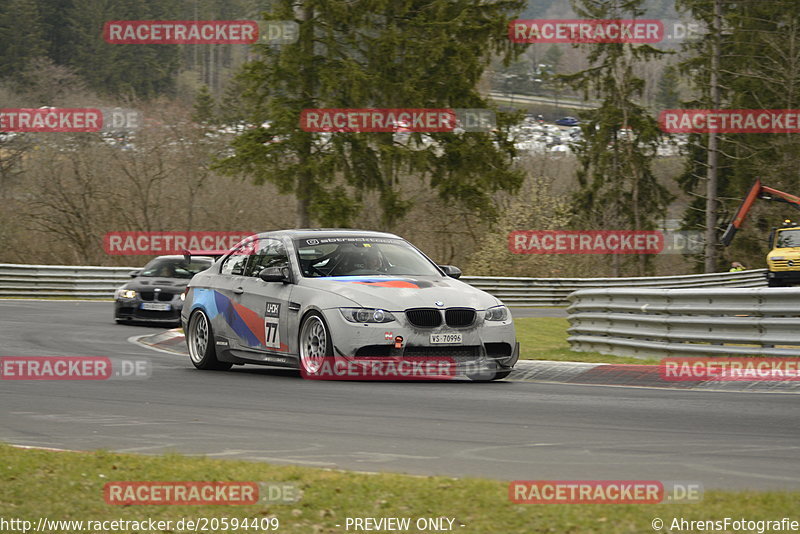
column 399, row 293
column 144, row 283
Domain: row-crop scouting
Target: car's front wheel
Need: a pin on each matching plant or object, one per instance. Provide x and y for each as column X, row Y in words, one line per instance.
column 315, row 344
column 200, row 340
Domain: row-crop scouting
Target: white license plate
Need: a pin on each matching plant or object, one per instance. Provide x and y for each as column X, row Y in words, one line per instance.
column 156, row 306
column 445, row 339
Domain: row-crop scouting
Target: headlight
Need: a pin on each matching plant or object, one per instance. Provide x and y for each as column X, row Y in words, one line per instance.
column 498, row 313
column 366, row 315
column 126, row 293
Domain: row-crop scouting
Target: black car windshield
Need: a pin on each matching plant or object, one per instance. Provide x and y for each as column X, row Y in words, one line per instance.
column 788, row 238
column 174, row 268
column 361, row 256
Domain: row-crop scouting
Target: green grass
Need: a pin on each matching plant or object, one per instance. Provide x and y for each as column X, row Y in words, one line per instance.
column 545, row 338
column 69, row 486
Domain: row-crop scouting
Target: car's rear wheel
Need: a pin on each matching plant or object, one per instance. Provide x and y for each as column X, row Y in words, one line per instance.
column 200, row 340
column 315, row 344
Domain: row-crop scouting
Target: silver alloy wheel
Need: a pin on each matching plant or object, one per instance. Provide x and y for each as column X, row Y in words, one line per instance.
column 313, row 343
column 198, row 337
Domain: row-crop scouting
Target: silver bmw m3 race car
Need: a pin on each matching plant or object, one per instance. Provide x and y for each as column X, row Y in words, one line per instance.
column 343, row 301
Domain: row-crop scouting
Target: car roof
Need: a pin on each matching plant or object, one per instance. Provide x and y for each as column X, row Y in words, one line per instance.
column 299, row 233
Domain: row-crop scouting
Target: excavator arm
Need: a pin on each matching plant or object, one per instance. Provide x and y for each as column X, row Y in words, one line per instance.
column 758, row 191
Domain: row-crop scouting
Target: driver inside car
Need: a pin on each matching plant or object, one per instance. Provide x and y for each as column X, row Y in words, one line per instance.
column 371, row 261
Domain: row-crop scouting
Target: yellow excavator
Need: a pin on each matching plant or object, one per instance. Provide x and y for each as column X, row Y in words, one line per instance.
column 783, row 260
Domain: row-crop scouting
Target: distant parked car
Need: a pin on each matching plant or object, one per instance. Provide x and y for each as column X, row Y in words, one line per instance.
column 568, row 121
column 156, row 292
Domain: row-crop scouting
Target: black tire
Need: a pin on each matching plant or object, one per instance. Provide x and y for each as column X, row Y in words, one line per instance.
column 772, row 282
column 200, row 341
column 311, row 352
column 489, row 376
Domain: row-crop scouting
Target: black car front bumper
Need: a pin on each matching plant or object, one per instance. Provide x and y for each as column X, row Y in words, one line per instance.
column 131, row 310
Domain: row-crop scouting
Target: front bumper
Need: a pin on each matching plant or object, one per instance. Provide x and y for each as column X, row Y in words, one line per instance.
column 792, row 277
column 131, row 310
column 486, row 345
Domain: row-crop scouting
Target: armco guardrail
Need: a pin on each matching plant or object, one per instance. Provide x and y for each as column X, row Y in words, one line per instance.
column 61, row 280
column 100, row 282
column 654, row 323
column 554, row 291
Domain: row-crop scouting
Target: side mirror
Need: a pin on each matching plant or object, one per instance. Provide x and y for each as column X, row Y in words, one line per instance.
column 134, row 273
column 451, row 270
column 275, row 274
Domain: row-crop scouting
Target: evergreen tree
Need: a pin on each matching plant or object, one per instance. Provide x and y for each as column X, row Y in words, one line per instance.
column 380, row 54
column 128, row 70
column 667, row 96
column 22, row 35
column 204, row 107
column 617, row 187
column 759, row 69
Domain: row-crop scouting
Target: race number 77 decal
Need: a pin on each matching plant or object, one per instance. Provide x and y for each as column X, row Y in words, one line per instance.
column 272, row 338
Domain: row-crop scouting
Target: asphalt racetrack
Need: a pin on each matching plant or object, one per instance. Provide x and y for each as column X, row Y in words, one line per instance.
column 503, row 430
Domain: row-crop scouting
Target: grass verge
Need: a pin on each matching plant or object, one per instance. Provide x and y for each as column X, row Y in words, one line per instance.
column 69, row 486
column 545, row 338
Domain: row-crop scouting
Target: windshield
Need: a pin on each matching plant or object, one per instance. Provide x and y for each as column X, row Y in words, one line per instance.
column 174, row 268
column 788, row 238
column 361, row 256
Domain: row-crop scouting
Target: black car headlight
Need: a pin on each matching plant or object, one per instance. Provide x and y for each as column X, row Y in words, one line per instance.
column 498, row 313
column 126, row 294
column 366, row 315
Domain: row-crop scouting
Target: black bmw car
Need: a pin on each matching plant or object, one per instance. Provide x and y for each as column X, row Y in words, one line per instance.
column 156, row 292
